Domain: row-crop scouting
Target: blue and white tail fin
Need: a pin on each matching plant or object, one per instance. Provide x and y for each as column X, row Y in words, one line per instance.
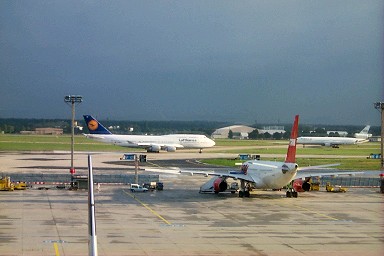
column 291, row 153
column 94, row 126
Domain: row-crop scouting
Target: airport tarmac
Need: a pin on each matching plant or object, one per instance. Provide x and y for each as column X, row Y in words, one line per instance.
column 180, row 221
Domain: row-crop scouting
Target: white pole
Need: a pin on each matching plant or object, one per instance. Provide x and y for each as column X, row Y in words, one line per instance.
column 92, row 242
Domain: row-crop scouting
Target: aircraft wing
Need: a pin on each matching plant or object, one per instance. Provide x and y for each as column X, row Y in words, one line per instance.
column 91, row 136
column 232, row 174
column 309, row 174
column 322, row 171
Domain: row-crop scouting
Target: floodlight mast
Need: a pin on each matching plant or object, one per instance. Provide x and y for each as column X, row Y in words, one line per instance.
column 380, row 106
column 73, row 99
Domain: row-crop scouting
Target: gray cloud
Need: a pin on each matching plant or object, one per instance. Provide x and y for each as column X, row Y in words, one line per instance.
column 236, row 61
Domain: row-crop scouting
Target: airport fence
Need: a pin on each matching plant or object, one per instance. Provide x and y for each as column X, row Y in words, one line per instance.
column 351, row 181
column 130, row 178
column 97, row 178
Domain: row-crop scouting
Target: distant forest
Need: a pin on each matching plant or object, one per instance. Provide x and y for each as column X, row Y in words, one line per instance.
column 15, row 126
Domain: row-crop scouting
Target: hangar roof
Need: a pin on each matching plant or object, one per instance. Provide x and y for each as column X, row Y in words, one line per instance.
column 223, row 132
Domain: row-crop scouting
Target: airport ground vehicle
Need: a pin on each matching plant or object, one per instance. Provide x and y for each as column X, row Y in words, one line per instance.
column 7, row 185
column 150, row 185
column 159, row 185
column 20, row 185
column 334, row 188
column 138, row 188
column 154, row 185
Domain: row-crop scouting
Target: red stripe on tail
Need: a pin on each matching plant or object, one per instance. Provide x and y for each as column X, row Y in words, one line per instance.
column 291, row 153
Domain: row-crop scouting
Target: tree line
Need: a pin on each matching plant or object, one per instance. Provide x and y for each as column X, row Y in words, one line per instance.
column 16, row 125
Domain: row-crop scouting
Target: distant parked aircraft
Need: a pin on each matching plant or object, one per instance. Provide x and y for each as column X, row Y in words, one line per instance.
column 151, row 143
column 336, row 141
column 327, row 141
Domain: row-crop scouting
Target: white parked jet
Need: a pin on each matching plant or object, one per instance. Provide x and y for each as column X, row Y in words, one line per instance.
column 328, row 141
column 151, row 143
column 271, row 174
column 336, row 141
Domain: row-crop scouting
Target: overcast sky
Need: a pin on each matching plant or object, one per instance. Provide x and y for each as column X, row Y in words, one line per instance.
column 235, row 61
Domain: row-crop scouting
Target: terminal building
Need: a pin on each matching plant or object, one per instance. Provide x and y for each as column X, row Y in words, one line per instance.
column 272, row 129
column 242, row 131
column 44, row 131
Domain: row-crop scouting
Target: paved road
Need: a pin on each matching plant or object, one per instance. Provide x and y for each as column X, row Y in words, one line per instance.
column 180, row 221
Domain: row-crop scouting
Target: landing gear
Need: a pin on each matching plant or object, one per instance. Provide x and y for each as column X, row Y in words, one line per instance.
column 290, row 191
column 244, row 193
column 244, row 190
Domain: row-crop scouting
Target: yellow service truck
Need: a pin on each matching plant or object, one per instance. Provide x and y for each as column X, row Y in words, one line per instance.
column 334, row 188
column 20, row 185
column 7, row 185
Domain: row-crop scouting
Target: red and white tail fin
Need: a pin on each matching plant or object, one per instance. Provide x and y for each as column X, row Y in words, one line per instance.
column 291, row 153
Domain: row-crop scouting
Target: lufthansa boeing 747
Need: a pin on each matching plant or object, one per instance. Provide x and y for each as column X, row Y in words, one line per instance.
column 152, row 143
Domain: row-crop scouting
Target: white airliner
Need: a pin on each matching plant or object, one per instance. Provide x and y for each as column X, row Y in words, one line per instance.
column 271, row 174
column 328, row 141
column 336, row 141
column 151, row 143
column 364, row 133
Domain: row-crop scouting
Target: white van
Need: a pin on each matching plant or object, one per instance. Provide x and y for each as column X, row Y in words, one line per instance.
column 138, row 188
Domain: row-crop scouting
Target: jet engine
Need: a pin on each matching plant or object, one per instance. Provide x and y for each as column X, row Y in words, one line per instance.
column 220, row 185
column 170, row 149
column 154, row 148
column 301, row 185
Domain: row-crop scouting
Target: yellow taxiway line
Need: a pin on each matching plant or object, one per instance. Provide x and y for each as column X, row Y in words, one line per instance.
column 57, row 253
column 148, row 208
column 317, row 213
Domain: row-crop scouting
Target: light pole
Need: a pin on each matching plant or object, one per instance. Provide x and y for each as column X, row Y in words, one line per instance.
column 136, row 169
column 380, row 106
column 73, row 99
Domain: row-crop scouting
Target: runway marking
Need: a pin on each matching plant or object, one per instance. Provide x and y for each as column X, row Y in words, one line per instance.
column 148, row 208
column 156, row 165
column 308, row 210
column 55, row 246
column 57, row 253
